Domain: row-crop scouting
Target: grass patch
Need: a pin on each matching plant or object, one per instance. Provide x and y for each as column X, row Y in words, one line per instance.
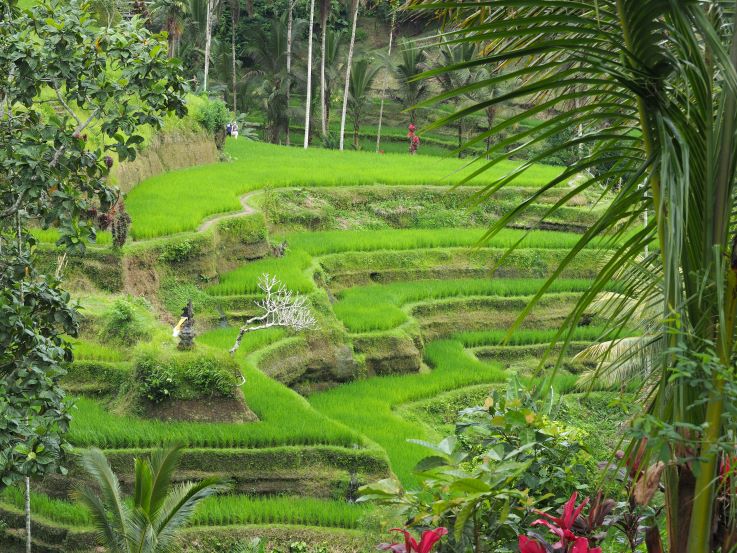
column 286, row 418
column 522, row 337
column 368, row 405
column 337, row 241
column 51, row 236
column 230, row 510
column 290, row 270
column 57, row 510
column 180, row 200
column 378, row 307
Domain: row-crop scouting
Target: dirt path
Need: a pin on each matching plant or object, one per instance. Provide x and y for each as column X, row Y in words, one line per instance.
column 247, row 210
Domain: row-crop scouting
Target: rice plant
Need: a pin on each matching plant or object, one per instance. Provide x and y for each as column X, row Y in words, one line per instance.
column 231, row 510
column 178, row 201
column 378, row 307
column 285, row 417
column 56, row 510
column 290, row 269
column 336, row 241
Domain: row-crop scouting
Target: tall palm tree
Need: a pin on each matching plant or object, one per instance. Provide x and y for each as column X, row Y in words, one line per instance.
column 173, row 14
column 334, row 42
column 654, row 86
column 450, row 55
column 325, row 6
column 159, row 509
column 269, row 53
column 308, row 102
column 362, row 78
column 212, row 6
column 235, row 16
column 412, row 90
column 354, row 5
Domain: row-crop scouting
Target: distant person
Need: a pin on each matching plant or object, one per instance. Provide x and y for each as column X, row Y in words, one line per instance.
column 414, row 140
column 234, row 130
column 228, row 129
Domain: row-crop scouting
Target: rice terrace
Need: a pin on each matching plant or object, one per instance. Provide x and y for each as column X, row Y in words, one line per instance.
column 312, row 276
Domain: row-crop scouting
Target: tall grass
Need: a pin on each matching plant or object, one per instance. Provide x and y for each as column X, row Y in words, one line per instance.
column 178, row 201
column 379, row 307
column 229, row 510
column 368, row 405
column 336, row 241
column 522, row 337
column 286, row 418
column 50, row 236
column 290, row 270
column 56, row 510
column 92, row 351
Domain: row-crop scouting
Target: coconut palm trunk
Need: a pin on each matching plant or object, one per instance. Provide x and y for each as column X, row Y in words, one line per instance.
column 308, row 102
column 351, row 46
column 385, row 84
column 324, row 15
column 29, row 540
column 235, row 9
column 290, row 25
column 208, row 41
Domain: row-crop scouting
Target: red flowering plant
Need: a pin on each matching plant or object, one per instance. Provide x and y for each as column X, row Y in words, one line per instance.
column 428, row 539
column 564, row 528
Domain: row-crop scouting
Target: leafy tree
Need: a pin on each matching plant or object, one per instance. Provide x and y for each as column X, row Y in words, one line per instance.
column 362, row 78
column 58, row 65
column 411, row 89
column 653, row 88
column 159, row 508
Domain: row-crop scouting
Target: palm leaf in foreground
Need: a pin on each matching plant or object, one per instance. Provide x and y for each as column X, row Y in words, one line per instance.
column 652, row 88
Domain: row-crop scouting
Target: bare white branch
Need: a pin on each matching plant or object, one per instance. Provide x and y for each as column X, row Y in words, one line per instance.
column 280, row 308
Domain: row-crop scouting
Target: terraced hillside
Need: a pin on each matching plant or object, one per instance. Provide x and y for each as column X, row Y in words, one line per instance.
column 412, row 315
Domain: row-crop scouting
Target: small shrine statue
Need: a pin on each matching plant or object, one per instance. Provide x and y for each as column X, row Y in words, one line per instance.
column 185, row 328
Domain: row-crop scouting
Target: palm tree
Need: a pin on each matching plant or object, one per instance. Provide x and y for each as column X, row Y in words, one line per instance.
column 451, row 55
column 173, row 14
column 325, row 6
column 269, row 53
column 333, row 48
column 354, row 17
column 235, row 15
column 412, row 90
column 384, row 85
column 159, row 509
column 654, row 87
column 308, row 102
column 212, row 6
column 362, row 78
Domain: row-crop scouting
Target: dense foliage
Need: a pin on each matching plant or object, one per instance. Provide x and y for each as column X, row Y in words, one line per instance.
column 102, row 79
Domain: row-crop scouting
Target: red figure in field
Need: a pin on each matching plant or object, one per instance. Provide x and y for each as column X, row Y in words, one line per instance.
column 414, row 140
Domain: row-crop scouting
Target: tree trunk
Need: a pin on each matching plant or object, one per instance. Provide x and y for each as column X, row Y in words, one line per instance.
column 323, row 109
column 679, row 490
column 28, row 515
column 308, row 101
column 348, row 75
column 490, row 115
column 386, row 82
column 232, row 51
column 208, row 42
column 290, row 21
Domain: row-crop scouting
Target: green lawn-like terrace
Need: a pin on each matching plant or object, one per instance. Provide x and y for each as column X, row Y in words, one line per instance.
column 366, row 422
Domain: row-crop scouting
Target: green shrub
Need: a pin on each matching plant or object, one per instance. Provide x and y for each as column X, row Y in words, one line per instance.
column 179, row 251
column 160, row 376
column 123, row 324
column 248, row 230
column 213, row 115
